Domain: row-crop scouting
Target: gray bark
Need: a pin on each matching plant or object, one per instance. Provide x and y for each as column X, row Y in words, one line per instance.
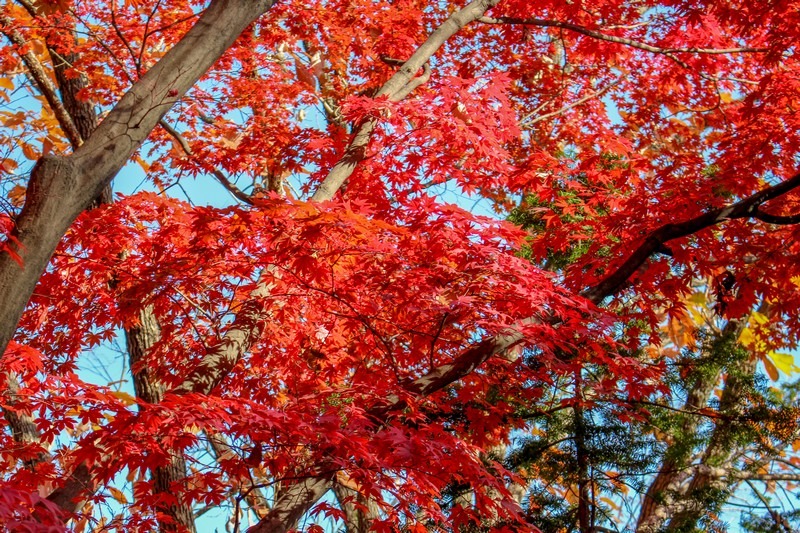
column 62, row 186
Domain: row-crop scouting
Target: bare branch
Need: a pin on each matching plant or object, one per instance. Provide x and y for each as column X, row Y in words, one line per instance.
column 250, row 492
column 415, row 82
column 229, row 186
column 576, row 103
column 776, row 516
column 755, row 476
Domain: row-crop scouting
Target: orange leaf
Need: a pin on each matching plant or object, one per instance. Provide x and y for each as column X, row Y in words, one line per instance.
column 29, row 152
column 118, row 495
column 772, row 372
column 17, row 195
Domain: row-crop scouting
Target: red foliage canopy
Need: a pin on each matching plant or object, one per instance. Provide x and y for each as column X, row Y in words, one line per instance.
column 347, row 320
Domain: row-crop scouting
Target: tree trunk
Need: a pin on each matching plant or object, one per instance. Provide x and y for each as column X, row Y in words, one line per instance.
column 140, row 338
column 661, row 499
column 60, row 188
column 352, row 502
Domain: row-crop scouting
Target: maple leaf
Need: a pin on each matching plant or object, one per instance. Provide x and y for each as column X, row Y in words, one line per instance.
column 339, row 316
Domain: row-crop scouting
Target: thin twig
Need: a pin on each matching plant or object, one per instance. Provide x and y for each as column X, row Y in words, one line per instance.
column 544, row 23
column 231, row 188
column 567, row 107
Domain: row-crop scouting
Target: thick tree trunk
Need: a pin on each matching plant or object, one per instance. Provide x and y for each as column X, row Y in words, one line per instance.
column 140, row 338
column 61, row 187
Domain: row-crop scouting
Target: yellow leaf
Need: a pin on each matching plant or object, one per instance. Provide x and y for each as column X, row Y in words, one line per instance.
column 783, row 362
column 124, row 397
column 118, row 495
column 610, row 503
column 759, row 318
column 6, row 83
column 746, row 337
column 698, row 298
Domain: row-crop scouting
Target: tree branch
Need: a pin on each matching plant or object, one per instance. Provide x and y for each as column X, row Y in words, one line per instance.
column 755, row 476
column 718, row 457
column 567, row 107
column 60, row 188
column 398, row 87
column 247, row 327
column 23, row 426
column 776, row 516
column 229, row 186
column 746, row 208
column 250, row 492
column 292, row 504
column 291, row 507
column 667, row 52
column 776, row 219
column 658, row 502
column 44, row 84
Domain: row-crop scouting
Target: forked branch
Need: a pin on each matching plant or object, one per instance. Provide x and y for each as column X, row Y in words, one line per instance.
column 667, row 52
column 235, row 191
column 749, row 207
